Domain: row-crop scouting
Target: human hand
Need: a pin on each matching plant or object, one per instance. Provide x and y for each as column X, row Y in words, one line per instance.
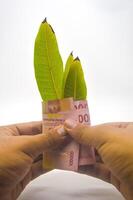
column 114, row 145
column 20, row 148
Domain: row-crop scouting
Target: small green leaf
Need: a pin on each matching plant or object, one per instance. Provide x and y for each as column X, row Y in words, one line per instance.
column 67, row 68
column 75, row 85
column 48, row 63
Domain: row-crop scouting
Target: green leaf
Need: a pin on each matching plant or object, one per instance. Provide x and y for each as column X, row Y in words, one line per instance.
column 67, row 68
column 75, row 83
column 48, row 63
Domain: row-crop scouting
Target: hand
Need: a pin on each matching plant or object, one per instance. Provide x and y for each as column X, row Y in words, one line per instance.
column 114, row 144
column 20, row 160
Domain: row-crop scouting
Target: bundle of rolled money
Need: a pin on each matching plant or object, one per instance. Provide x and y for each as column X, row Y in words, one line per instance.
column 64, row 96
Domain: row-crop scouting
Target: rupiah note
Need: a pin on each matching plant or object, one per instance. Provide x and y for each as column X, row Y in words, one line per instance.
column 72, row 155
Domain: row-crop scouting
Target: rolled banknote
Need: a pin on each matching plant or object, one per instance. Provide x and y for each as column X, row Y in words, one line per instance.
column 72, row 155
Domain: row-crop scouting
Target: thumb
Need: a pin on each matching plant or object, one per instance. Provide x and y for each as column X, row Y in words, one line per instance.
column 37, row 144
column 95, row 136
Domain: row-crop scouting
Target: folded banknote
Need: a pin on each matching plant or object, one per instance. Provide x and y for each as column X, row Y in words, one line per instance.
column 72, row 155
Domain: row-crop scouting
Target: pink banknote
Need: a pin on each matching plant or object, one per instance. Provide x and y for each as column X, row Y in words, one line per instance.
column 72, row 155
column 86, row 154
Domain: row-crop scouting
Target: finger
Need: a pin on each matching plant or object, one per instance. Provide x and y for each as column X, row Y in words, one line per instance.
column 37, row 144
column 29, row 128
column 98, row 157
column 35, row 171
column 119, row 124
column 100, row 171
column 38, row 158
column 97, row 136
column 97, row 170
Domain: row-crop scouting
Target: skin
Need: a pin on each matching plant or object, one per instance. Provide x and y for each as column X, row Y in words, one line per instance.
column 114, row 152
column 21, row 146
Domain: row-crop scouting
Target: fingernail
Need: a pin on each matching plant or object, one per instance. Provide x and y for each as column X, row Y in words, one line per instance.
column 61, row 131
column 69, row 123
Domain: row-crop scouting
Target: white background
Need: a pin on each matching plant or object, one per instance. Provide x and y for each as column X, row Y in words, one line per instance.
column 100, row 32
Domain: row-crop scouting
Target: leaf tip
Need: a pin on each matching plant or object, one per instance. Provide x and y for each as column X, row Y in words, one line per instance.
column 71, row 53
column 45, row 20
column 77, row 58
